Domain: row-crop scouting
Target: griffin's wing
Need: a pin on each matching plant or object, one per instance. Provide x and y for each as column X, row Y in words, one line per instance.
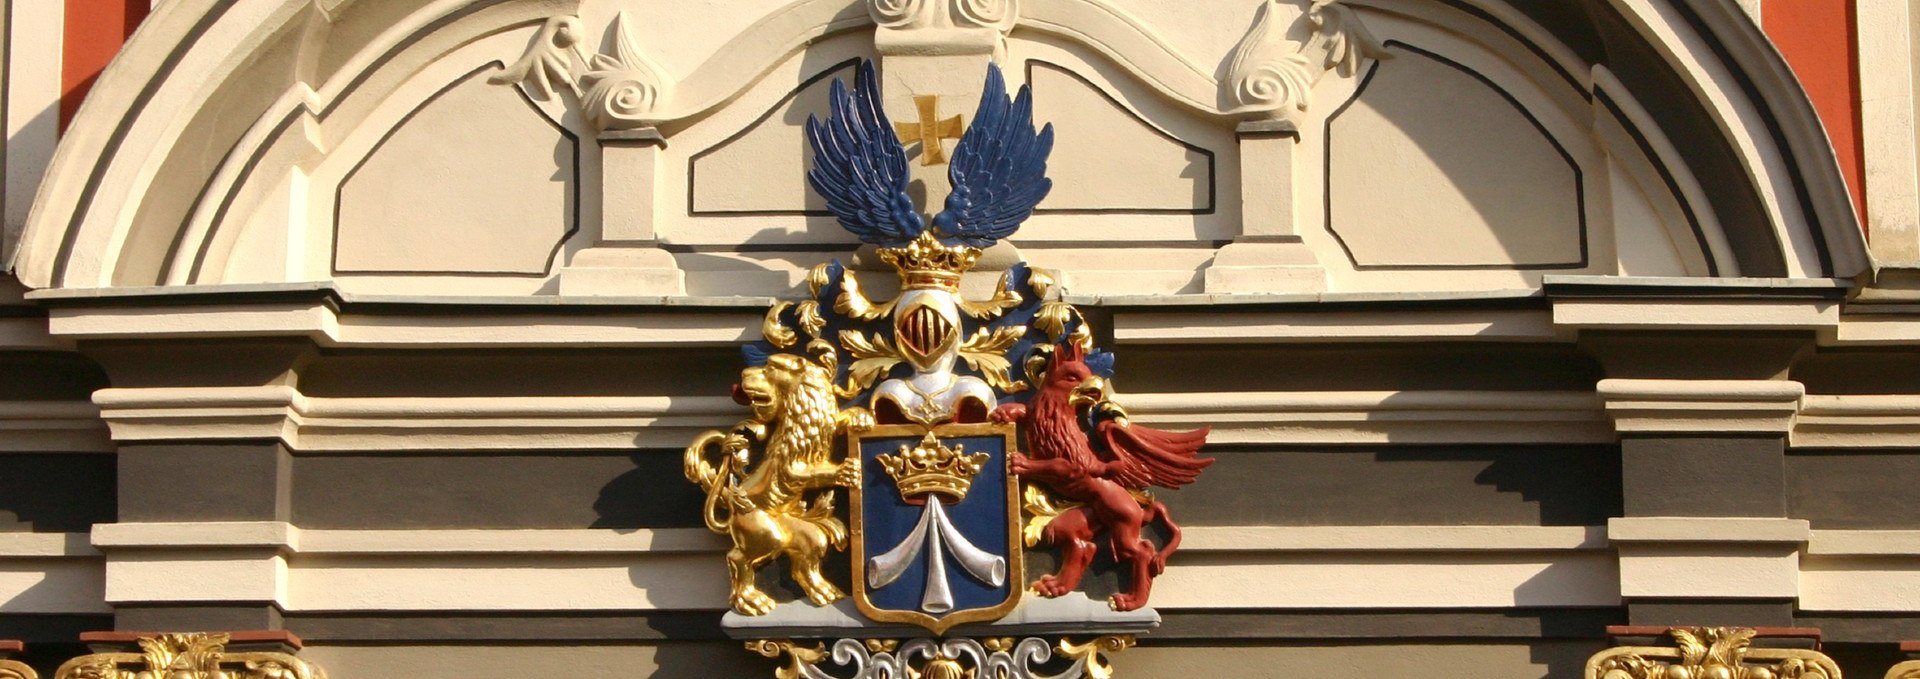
column 1153, row 457
column 860, row 167
column 999, row 168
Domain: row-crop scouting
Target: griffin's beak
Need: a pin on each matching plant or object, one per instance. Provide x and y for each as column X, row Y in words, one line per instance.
column 1091, row 391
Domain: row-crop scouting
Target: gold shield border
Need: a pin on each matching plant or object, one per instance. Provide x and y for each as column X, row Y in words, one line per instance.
column 1016, row 556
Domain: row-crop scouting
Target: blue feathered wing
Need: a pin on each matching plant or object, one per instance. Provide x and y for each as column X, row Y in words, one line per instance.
column 998, row 170
column 859, row 166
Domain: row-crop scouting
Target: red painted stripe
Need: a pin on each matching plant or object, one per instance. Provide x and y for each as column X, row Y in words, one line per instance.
column 1817, row 38
column 94, row 31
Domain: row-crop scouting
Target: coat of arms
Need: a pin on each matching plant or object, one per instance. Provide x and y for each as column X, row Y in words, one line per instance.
column 963, row 429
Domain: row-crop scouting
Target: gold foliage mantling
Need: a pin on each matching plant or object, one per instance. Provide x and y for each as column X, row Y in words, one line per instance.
column 1710, row 653
column 188, row 656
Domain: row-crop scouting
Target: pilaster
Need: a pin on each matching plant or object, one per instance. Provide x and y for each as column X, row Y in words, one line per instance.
column 1268, row 256
column 1705, row 538
column 196, row 575
column 627, row 260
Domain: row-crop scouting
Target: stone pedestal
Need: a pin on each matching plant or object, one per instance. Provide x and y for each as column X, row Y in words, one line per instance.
column 627, row 261
column 632, row 271
column 1269, row 256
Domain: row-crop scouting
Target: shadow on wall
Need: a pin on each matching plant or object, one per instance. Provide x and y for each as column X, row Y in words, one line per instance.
column 708, row 660
column 653, row 494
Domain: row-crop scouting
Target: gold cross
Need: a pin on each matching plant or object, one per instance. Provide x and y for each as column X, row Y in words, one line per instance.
column 930, row 130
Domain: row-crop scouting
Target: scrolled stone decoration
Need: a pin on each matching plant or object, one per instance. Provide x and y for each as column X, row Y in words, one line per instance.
column 1271, row 77
column 624, row 90
column 549, row 64
column 188, row 656
column 899, row 13
column 14, row 669
column 946, row 24
column 1710, row 653
column 953, row 658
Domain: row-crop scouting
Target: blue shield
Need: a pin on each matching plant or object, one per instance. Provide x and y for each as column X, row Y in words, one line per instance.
column 935, row 527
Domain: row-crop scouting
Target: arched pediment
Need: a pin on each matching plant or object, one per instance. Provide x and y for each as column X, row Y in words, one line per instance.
column 1606, row 137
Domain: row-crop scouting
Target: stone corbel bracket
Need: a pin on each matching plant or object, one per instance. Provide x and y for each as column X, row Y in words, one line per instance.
column 193, row 655
column 1271, row 77
column 940, row 27
column 952, row 658
column 1710, row 652
column 624, row 90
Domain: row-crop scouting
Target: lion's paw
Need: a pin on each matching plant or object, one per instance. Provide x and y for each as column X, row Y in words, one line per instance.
column 859, row 419
column 849, row 473
column 752, row 601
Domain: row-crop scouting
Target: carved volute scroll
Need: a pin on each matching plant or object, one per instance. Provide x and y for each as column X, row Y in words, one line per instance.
column 193, row 655
column 943, row 26
column 1710, row 653
column 624, row 90
column 1271, row 77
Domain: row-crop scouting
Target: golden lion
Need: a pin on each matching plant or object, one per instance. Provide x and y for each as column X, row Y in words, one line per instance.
column 765, row 511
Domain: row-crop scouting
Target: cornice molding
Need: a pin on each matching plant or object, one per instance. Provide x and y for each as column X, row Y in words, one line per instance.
column 335, row 424
column 1701, row 406
column 52, row 427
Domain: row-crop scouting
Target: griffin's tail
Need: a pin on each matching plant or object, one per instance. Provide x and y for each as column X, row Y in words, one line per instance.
column 710, row 478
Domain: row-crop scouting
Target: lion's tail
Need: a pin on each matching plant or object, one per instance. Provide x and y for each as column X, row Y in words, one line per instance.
column 820, row 514
column 710, row 478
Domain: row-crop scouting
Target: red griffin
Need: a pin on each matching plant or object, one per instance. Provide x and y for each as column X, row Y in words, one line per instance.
column 1106, row 480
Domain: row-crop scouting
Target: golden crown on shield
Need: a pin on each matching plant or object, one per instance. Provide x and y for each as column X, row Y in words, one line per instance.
column 933, row 468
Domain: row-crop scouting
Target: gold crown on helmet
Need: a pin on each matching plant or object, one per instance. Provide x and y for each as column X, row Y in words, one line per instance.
column 927, row 263
column 933, row 468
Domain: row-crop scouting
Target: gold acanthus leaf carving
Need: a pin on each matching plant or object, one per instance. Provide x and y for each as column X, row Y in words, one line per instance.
column 1710, row 653
column 188, row 656
column 986, row 352
column 1041, row 508
column 1052, row 319
column 1097, row 666
column 781, row 335
column 798, row 657
column 872, row 358
column 1004, row 298
column 854, row 304
column 809, row 315
column 774, row 330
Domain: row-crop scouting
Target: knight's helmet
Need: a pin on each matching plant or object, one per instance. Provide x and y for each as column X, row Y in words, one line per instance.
column 926, row 320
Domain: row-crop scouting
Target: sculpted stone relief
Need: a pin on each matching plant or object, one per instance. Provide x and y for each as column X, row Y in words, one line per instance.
column 620, row 91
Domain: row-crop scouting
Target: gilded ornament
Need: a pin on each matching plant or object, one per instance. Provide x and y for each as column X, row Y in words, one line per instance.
column 188, row 656
column 14, row 669
column 924, row 393
column 762, row 502
column 930, row 129
column 955, row 658
column 933, row 468
column 1710, row 653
